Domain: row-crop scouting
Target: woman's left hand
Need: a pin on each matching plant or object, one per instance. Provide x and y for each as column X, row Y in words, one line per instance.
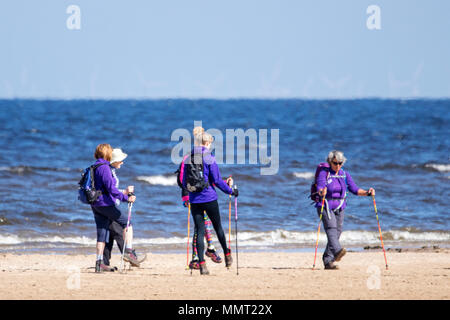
column 371, row 192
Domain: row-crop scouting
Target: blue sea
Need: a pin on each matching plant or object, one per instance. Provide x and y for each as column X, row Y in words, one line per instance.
column 399, row 147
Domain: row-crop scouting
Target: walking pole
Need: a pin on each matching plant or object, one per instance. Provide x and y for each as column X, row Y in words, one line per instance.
column 235, row 220
column 379, row 229
column 318, row 231
column 229, row 223
column 188, row 231
column 130, row 205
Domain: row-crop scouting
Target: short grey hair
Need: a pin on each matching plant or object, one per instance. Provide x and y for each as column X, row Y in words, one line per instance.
column 336, row 154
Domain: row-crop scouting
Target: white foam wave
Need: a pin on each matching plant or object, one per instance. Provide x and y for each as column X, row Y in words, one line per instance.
column 304, row 175
column 22, row 169
column 159, row 180
column 14, row 169
column 439, row 167
column 14, row 239
column 255, row 239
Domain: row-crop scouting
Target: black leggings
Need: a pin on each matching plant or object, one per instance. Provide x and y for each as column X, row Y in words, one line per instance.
column 115, row 233
column 212, row 210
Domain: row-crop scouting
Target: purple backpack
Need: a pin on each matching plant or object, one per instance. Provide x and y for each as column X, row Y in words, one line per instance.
column 314, row 195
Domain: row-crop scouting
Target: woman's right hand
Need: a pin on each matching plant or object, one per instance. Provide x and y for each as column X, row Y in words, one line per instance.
column 129, row 189
column 132, row 199
column 323, row 192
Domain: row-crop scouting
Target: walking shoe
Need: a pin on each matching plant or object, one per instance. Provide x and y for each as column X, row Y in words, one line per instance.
column 340, row 254
column 228, row 259
column 194, row 265
column 141, row 257
column 131, row 257
column 203, row 269
column 213, row 255
column 331, row 266
column 100, row 267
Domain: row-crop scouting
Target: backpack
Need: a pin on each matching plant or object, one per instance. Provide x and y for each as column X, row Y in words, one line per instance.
column 86, row 192
column 180, row 172
column 314, row 195
column 193, row 172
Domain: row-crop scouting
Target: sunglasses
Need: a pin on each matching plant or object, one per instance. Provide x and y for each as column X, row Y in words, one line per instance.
column 338, row 163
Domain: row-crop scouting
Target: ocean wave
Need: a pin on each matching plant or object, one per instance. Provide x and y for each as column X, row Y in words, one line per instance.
column 159, row 180
column 304, row 175
column 31, row 169
column 438, row 167
column 254, row 239
column 16, row 240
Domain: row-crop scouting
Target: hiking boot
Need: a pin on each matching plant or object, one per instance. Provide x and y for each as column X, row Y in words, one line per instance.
column 203, row 269
column 340, row 254
column 194, row 265
column 331, row 266
column 228, row 259
column 213, row 255
column 101, row 267
column 131, row 257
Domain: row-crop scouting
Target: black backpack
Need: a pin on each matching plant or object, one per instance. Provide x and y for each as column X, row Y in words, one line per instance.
column 193, row 172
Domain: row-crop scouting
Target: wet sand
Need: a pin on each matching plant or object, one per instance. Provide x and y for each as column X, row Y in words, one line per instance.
column 285, row 276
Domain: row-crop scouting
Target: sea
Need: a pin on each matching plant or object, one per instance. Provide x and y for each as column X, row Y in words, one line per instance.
column 400, row 147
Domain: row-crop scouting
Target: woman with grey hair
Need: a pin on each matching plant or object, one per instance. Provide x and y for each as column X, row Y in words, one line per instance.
column 332, row 182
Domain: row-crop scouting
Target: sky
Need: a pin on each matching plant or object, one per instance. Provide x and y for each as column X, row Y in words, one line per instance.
column 224, row 49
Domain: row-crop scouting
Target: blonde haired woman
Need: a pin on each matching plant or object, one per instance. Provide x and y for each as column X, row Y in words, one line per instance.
column 206, row 199
column 211, row 251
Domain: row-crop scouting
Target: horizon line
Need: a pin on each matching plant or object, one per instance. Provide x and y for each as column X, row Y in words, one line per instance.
column 222, row 98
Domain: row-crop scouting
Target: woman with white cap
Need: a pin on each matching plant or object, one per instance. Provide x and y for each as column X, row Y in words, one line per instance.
column 115, row 230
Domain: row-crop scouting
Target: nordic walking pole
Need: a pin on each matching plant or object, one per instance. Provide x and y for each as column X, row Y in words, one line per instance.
column 188, row 231
column 229, row 224
column 318, row 231
column 229, row 220
column 130, row 205
column 235, row 220
column 379, row 229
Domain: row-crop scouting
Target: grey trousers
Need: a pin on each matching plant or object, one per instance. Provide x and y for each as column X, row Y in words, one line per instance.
column 333, row 229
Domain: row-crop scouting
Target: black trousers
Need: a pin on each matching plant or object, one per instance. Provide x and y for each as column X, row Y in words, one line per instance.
column 115, row 234
column 212, row 210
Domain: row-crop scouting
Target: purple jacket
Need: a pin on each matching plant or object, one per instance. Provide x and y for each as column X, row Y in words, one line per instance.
column 105, row 182
column 336, row 187
column 212, row 175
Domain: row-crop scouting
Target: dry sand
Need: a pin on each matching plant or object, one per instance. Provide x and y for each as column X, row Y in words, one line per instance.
column 286, row 276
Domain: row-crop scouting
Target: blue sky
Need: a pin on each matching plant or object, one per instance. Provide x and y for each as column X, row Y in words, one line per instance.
column 224, row 49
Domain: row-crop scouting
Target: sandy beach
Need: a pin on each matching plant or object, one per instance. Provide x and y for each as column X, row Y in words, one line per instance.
column 415, row 274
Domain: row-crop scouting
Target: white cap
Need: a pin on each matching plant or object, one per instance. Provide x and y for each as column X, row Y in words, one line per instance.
column 118, row 155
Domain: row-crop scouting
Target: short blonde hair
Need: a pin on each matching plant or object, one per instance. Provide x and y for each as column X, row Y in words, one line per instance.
column 206, row 137
column 198, row 135
column 197, row 131
column 104, row 151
